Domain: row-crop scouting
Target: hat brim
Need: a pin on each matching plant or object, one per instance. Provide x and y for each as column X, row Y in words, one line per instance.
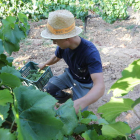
column 47, row 34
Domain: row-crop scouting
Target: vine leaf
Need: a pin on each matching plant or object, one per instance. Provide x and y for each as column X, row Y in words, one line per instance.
column 3, row 113
column 1, row 47
column 137, row 137
column 102, row 121
column 9, row 47
column 5, row 97
column 35, row 115
column 24, row 25
column 68, row 138
column 114, row 108
column 11, row 70
column 67, row 114
column 137, row 101
column 130, row 79
column 8, row 21
column 80, row 128
column 3, row 60
column 6, row 135
column 89, row 115
column 10, row 80
column 92, row 135
column 10, row 60
column 86, row 117
column 135, row 129
column 13, row 35
column 116, row 129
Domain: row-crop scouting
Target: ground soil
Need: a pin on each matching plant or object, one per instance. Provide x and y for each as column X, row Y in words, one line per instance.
column 118, row 44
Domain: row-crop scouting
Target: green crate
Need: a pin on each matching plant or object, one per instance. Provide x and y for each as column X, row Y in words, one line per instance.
column 42, row 81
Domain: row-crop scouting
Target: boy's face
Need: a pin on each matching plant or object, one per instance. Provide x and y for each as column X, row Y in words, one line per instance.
column 62, row 43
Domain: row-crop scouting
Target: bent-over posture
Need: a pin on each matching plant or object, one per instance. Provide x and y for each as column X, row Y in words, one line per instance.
column 84, row 73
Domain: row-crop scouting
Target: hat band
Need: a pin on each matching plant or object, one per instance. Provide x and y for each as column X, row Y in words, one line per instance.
column 60, row 31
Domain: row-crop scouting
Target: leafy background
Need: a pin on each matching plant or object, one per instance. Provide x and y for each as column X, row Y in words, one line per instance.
column 27, row 108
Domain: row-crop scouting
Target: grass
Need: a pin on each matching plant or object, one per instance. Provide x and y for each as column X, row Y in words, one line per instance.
column 130, row 27
column 118, row 26
column 108, row 30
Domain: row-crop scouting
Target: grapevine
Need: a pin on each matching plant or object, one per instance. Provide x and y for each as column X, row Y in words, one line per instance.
column 109, row 10
column 28, row 113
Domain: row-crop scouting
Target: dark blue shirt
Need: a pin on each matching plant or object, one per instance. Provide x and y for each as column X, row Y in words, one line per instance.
column 82, row 61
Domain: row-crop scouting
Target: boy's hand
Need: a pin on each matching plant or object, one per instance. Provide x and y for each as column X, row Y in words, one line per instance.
column 41, row 66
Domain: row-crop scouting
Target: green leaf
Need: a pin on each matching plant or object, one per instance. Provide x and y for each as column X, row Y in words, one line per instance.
column 89, row 115
column 79, row 114
column 22, row 17
column 80, row 128
column 68, row 138
column 129, row 138
column 85, row 121
column 92, row 135
column 3, row 60
column 4, row 113
column 13, row 35
column 10, row 59
column 9, row 47
column 24, row 25
column 86, row 117
column 10, row 80
column 130, row 79
column 35, row 115
column 67, row 114
column 11, row 70
column 9, row 20
column 137, row 137
column 86, row 113
column 5, row 97
column 114, row 108
column 137, row 101
column 6, row 135
column 116, row 129
column 133, row 67
column 1, row 47
column 135, row 129
column 102, row 121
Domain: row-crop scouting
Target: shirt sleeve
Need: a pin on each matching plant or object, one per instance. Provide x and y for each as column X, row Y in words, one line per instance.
column 58, row 52
column 94, row 63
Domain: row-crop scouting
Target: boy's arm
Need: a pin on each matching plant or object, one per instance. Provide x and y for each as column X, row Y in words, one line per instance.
column 93, row 95
column 51, row 61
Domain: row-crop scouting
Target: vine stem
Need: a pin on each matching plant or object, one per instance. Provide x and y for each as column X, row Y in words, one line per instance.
column 8, row 122
column 1, row 84
column 12, row 125
column 136, row 113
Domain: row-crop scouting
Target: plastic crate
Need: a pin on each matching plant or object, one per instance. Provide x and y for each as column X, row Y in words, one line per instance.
column 42, row 81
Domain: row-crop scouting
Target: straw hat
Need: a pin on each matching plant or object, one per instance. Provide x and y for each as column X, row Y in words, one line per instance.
column 60, row 25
